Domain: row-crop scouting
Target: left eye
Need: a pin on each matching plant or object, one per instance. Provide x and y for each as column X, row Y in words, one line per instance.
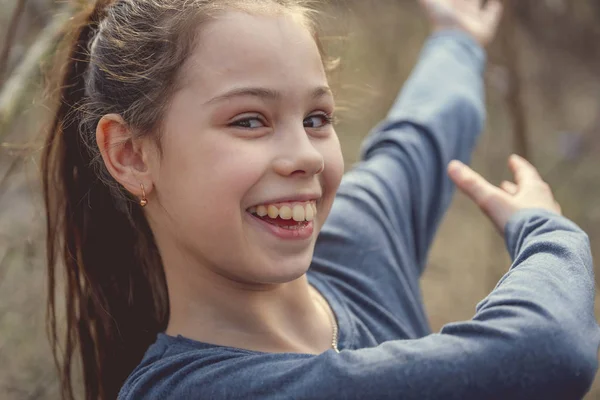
column 317, row 121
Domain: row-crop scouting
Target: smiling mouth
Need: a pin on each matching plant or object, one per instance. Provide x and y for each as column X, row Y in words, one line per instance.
column 291, row 216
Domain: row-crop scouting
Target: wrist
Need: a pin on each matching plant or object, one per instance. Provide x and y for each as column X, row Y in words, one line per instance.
column 443, row 28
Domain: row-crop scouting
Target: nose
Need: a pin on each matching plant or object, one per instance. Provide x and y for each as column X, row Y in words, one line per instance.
column 297, row 155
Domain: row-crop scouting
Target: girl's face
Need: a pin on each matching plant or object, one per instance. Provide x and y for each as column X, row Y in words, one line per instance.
column 249, row 134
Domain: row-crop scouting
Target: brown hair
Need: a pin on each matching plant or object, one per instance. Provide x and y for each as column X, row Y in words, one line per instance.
column 124, row 58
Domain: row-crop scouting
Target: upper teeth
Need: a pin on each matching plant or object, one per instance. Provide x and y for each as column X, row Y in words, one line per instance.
column 298, row 212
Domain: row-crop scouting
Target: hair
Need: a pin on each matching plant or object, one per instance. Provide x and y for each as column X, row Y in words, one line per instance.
column 124, row 57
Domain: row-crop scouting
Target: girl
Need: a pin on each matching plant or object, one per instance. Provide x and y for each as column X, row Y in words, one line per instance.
column 192, row 164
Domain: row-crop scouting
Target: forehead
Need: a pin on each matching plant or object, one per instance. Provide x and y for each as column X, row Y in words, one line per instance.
column 240, row 49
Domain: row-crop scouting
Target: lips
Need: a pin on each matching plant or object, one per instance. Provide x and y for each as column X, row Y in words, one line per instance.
column 290, row 220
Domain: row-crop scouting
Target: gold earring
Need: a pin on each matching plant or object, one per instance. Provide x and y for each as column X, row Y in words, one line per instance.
column 144, row 200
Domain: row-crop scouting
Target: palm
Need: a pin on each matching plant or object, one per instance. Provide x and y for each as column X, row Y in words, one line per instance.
column 468, row 15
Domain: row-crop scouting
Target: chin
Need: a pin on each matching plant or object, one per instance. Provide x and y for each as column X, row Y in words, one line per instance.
column 283, row 269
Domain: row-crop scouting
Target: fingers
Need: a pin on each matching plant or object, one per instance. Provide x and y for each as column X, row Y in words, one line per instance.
column 492, row 13
column 439, row 10
column 433, row 3
column 479, row 7
column 509, row 187
column 473, row 185
column 522, row 170
column 492, row 7
column 472, row 6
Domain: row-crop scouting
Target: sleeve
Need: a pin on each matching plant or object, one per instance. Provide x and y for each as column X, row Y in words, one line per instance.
column 437, row 117
column 389, row 205
column 533, row 337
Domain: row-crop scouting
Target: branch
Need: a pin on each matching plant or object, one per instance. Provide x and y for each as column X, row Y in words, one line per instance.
column 10, row 37
column 16, row 87
column 514, row 95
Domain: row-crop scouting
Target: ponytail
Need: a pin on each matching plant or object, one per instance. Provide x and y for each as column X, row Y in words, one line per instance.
column 116, row 299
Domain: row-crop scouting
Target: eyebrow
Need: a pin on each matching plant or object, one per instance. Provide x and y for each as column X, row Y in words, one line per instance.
column 264, row 93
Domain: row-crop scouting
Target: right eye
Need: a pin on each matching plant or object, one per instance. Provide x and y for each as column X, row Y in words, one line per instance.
column 248, row 123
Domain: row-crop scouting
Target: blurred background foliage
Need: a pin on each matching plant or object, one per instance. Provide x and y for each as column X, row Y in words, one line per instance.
column 543, row 98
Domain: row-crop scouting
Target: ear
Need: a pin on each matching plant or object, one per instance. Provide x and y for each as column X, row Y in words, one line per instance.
column 126, row 159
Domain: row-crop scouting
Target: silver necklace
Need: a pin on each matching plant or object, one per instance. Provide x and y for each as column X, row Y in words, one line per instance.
column 334, row 325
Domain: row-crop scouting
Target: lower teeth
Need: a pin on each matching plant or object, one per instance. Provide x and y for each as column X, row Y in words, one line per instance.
column 294, row 227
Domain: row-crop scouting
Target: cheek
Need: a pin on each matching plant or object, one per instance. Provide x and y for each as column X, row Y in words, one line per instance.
column 332, row 175
column 334, row 163
column 203, row 193
column 205, row 181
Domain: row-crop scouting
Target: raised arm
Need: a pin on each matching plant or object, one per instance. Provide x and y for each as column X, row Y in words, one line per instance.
column 436, row 118
column 439, row 113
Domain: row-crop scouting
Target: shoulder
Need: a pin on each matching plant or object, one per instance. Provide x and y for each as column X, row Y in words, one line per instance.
column 183, row 368
column 169, row 364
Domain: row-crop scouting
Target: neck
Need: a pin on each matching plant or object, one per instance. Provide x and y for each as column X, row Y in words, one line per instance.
column 274, row 318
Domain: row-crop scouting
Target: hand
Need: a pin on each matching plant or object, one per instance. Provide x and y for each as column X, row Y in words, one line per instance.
column 499, row 204
column 467, row 15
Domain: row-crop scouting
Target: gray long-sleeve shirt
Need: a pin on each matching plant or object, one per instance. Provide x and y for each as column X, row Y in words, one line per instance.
column 533, row 337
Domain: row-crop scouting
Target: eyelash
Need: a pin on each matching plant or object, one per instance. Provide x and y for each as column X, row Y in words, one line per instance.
column 327, row 120
column 236, row 124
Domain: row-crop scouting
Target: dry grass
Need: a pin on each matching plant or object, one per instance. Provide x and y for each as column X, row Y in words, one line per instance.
column 381, row 44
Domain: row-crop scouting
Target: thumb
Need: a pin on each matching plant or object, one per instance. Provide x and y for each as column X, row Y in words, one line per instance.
column 494, row 202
